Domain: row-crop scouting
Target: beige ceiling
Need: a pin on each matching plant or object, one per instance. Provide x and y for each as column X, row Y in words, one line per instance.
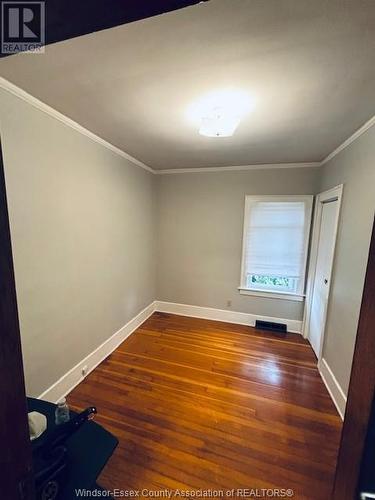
column 309, row 63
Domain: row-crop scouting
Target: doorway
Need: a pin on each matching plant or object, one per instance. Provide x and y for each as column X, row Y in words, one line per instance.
column 16, row 477
column 327, row 212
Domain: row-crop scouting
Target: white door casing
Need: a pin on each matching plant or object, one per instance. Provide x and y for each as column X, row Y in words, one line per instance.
column 319, row 298
column 327, row 211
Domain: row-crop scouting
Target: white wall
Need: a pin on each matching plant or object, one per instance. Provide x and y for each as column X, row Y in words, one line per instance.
column 355, row 168
column 199, row 236
column 82, row 226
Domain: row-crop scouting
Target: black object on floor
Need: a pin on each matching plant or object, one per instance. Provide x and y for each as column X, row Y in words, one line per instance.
column 87, row 451
column 278, row 328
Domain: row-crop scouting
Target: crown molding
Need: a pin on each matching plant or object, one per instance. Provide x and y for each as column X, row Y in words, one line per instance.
column 366, row 126
column 45, row 108
column 349, row 141
column 260, row 166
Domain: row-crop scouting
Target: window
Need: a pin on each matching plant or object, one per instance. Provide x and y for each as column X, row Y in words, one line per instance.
column 275, row 244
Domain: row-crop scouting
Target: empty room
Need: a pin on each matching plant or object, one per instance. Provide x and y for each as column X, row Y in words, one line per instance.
column 187, row 259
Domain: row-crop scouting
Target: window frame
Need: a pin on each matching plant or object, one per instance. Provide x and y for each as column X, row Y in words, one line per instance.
column 300, row 294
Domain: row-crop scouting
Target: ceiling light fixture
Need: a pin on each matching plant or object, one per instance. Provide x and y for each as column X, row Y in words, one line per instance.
column 219, row 123
column 219, row 113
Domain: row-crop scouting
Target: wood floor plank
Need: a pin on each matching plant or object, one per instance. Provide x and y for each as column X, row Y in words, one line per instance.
column 200, row 404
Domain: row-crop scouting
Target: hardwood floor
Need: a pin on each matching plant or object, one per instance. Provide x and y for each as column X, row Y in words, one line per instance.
column 200, row 404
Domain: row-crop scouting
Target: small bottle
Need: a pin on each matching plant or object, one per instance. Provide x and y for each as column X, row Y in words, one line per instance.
column 62, row 412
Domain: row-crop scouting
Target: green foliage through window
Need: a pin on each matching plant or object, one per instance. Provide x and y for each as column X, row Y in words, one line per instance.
column 270, row 282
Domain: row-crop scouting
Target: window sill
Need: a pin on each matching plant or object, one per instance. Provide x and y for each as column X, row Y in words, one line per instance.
column 272, row 295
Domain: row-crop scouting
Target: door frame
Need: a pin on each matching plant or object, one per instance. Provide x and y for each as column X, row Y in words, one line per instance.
column 333, row 194
column 16, row 475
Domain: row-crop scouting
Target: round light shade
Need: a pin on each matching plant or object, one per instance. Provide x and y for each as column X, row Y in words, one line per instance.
column 220, row 123
column 218, row 113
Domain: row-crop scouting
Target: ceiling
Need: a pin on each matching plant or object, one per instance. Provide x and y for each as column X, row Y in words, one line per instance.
column 308, row 64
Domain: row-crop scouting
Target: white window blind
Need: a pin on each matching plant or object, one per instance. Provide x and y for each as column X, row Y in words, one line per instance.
column 276, row 233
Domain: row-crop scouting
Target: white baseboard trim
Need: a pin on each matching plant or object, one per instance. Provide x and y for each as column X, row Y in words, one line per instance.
column 239, row 318
column 333, row 387
column 74, row 376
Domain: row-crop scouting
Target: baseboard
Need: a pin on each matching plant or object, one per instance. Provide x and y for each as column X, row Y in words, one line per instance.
column 74, row 376
column 333, row 387
column 239, row 318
